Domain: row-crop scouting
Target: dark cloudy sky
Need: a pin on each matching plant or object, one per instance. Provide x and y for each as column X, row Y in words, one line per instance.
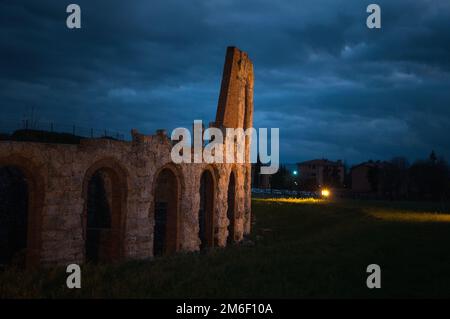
column 334, row 88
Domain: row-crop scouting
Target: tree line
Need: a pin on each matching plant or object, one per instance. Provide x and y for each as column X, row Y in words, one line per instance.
column 424, row 179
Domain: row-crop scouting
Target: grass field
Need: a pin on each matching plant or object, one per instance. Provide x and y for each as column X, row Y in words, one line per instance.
column 302, row 249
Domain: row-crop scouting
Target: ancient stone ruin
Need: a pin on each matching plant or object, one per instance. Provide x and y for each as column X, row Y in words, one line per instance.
column 104, row 200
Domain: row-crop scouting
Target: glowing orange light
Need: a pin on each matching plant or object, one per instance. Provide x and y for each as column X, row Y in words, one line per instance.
column 325, row 192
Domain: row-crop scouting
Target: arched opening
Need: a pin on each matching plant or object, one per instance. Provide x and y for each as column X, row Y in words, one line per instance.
column 206, row 211
column 231, row 214
column 21, row 200
column 166, row 206
column 105, row 193
column 14, row 204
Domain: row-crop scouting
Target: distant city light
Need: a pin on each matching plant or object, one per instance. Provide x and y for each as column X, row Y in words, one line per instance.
column 295, row 172
column 325, row 192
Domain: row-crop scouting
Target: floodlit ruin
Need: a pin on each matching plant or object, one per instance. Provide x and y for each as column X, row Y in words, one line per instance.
column 105, row 200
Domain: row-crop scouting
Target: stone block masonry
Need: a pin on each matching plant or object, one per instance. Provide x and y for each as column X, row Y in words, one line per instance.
column 152, row 205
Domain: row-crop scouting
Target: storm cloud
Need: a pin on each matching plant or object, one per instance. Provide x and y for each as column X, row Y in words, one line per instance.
column 335, row 88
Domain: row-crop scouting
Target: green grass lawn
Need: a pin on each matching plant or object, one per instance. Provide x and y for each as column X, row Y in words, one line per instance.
column 302, row 249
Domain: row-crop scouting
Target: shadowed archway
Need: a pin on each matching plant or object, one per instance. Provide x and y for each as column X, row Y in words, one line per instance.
column 206, row 211
column 166, row 212
column 105, row 194
column 21, row 201
column 231, row 211
column 14, row 196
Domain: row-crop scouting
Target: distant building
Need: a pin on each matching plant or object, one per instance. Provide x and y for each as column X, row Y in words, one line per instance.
column 259, row 180
column 382, row 179
column 321, row 172
column 366, row 177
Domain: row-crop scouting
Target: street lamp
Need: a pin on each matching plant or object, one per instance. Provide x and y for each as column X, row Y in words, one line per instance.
column 325, row 193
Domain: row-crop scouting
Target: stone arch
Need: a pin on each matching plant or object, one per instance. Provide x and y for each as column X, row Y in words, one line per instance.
column 206, row 215
column 232, row 206
column 167, row 192
column 35, row 197
column 105, row 183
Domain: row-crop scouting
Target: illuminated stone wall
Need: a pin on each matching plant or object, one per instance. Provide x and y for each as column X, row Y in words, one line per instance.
column 58, row 175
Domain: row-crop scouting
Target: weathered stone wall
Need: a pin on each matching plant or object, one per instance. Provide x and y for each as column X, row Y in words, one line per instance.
column 63, row 170
column 59, row 174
